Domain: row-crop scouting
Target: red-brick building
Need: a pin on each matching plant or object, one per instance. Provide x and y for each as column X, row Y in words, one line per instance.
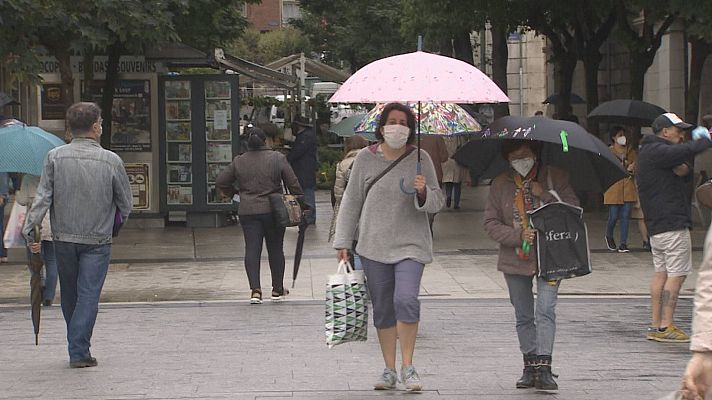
column 271, row 14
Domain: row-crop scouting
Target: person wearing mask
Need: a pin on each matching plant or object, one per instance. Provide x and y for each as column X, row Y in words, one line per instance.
column 622, row 195
column 82, row 226
column 302, row 158
column 353, row 145
column 525, row 187
column 662, row 166
column 255, row 175
column 25, row 196
column 393, row 236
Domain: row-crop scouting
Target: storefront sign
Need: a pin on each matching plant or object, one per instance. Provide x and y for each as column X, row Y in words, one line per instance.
column 131, row 114
column 139, row 176
column 53, row 107
column 127, row 65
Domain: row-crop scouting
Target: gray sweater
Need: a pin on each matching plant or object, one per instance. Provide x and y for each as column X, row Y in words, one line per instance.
column 392, row 226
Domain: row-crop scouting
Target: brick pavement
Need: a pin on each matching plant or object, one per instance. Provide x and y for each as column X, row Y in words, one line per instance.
column 467, row 349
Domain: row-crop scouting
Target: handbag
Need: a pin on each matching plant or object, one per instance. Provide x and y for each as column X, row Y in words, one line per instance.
column 13, row 237
column 346, row 306
column 286, row 207
column 562, row 240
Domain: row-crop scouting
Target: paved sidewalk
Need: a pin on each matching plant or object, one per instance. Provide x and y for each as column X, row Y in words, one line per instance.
column 178, row 263
column 467, row 349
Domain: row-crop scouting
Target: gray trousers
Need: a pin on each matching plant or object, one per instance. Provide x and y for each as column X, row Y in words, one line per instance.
column 394, row 291
column 536, row 329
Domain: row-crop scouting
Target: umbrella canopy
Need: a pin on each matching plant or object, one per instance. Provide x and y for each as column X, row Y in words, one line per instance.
column 23, row 148
column 628, row 112
column 36, row 264
column 444, row 119
column 346, row 128
column 555, row 98
column 589, row 162
column 419, row 76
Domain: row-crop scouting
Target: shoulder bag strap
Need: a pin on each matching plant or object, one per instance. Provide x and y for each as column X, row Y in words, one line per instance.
column 278, row 172
column 385, row 171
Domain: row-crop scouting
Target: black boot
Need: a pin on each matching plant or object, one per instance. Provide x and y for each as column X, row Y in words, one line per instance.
column 544, row 377
column 528, row 378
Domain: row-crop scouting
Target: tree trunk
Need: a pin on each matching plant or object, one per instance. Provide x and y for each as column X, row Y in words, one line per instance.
column 639, row 65
column 65, row 71
column 107, row 98
column 699, row 53
column 500, row 55
column 463, row 47
column 566, row 65
column 590, row 66
column 88, row 66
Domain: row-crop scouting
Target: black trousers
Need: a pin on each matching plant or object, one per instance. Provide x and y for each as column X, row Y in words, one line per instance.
column 258, row 228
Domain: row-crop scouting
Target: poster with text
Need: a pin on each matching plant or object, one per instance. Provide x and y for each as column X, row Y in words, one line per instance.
column 139, row 175
column 130, row 116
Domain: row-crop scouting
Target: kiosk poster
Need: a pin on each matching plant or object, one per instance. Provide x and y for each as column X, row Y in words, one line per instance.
column 131, row 114
column 139, row 176
column 53, row 107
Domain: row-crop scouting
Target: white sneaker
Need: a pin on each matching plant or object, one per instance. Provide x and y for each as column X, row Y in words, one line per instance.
column 387, row 380
column 410, row 378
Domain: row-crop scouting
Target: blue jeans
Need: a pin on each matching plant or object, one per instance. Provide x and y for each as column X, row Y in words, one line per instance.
column 536, row 328
column 82, row 271
column 50, row 262
column 619, row 212
column 3, row 250
column 310, row 199
column 453, row 188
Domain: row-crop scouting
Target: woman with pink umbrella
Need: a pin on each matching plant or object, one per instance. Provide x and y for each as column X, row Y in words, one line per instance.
column 394, row 240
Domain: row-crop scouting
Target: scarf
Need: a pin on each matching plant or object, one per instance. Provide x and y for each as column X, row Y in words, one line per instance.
column 523, row 202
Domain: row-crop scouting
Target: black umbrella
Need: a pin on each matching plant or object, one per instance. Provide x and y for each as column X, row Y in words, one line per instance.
column 566, row 145
column 6, row 100
column 298, row 251
column 556, row 98
column 628, row 112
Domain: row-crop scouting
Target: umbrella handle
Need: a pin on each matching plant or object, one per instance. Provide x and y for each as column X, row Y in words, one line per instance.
column 418, row 171
column 37, row 231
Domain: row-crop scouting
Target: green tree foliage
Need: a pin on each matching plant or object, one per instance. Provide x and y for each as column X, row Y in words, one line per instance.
column 354, row 31
column 264, row 48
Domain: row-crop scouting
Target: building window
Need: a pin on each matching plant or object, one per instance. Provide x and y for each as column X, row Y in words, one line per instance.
column 290, row 10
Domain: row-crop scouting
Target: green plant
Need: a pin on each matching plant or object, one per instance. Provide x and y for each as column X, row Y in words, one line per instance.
column 326, row 176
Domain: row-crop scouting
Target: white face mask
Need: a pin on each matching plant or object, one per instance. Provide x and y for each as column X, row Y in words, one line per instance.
column 621, row 140
column 523, row 165
column 395, row 136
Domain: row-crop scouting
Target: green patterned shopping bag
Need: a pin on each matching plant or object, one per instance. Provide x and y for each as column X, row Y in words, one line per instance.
column 346, row 306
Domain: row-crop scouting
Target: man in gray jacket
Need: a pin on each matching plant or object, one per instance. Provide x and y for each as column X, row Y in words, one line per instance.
column 87, row 190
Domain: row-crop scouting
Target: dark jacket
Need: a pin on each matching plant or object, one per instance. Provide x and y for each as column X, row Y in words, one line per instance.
column 663, row 195
column 302, row 157
column 257, row 174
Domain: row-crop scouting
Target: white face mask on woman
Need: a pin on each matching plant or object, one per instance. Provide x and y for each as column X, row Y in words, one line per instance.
column 523, row 165
column 396, row 136
column 621, row 140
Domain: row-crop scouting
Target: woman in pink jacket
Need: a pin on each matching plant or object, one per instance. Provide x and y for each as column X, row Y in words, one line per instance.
column 523, row 188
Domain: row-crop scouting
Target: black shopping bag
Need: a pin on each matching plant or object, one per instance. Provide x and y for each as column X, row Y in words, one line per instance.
column 562, row 241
